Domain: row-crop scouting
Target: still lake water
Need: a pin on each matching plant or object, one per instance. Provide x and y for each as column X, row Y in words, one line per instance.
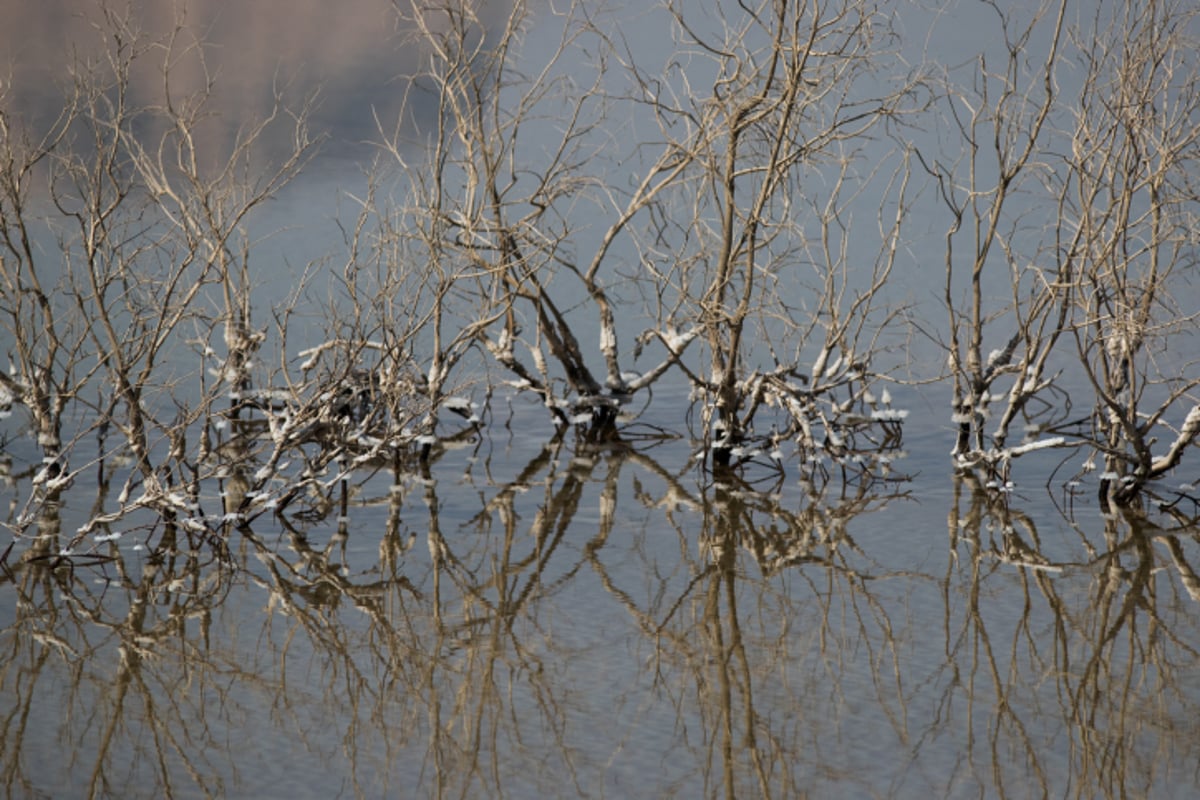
column 531, row 620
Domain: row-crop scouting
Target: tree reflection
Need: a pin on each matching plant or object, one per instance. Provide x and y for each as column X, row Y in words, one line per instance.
column 1102, row 639
column 1128, row 683
column 592, row 622
column 752, row 658
column 98, row 641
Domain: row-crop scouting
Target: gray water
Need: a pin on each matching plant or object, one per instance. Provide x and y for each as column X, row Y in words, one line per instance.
column 540, row 621
column 540, row 617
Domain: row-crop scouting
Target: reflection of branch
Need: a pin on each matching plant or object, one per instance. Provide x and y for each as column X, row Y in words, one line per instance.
column 970, row 650
column 1107, row 663
column 710, row 649
column 1187, row 575
column 140, row 618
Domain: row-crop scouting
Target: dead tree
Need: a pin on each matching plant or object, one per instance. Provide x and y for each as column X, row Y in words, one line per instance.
column 1131, row 205
column 1073, row 209
column 713, row 219
column 1007, row 307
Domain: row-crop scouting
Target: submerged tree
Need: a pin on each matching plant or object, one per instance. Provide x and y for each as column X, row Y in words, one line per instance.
column 1131, row 205
column 507, row 162
column 778, row 254
column 558, row 202
column 735, row 207
column 1007, row 320
column 1074, row 186
column 125, row 246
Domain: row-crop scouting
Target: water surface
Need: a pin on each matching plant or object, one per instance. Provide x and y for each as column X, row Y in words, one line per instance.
column 541, row 621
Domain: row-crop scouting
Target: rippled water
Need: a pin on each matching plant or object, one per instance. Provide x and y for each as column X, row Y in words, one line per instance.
column 532, row 620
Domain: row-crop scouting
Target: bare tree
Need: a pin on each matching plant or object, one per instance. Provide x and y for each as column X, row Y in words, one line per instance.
column 716, row 207
column 489, row 220
column 146, row 237
column 1075, row 187
column 45, row 344
column 1007, row 316
column 787, row 144
column 1131, row 206
column 198, row 239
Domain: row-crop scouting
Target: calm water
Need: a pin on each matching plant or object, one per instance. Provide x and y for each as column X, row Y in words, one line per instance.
column 533, row 618
column 534, row 621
